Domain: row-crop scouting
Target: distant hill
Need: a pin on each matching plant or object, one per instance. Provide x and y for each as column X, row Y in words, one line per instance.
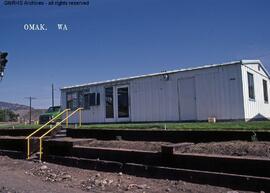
column 22, row 110
column 13, row 106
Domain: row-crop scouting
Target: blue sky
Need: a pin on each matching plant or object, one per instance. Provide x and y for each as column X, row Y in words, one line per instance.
column 120, row 38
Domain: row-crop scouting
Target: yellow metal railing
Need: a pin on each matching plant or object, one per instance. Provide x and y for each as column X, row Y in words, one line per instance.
column 29, row 136
column 66, row 119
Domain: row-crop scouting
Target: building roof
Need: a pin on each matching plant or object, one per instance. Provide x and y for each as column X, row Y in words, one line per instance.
column 243, row 62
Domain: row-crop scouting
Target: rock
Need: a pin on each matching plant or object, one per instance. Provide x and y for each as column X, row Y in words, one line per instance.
column 108, row 182
column 232, row 191
column 120, row 174
column 143, row 186
column 168, row 190
column 52, row 175
column 44, row 167
column 88, row 188
column 66, row 177
column 97, row 175
column 96, row 182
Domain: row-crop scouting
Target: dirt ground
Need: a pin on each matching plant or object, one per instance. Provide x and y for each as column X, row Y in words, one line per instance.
column 122, row 144
column 232, row 148
column 21, row 176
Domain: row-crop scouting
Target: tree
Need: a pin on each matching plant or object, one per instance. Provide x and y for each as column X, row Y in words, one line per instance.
column 8, row 115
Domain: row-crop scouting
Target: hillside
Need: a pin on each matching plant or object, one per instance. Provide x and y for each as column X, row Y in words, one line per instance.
column 22, row 110
column 13, row 106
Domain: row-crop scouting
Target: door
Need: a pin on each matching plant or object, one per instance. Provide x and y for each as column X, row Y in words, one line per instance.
column 122, row 103
column 117, row 104
column 109, row 104
column 187, row 99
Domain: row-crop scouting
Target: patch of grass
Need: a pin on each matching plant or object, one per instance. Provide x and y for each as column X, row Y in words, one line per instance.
column 241, row 125
column 195, row 126
column 18, row 126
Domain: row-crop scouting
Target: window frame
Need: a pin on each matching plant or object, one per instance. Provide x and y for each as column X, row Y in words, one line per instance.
column 91, row 99
column 251, row 86
column 73, row 101
column 109, row 105
column 265, row 91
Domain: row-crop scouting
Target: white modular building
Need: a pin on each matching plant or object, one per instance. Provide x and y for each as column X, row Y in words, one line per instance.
column 230, row 91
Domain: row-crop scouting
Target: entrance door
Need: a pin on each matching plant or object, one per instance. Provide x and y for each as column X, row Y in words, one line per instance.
column 122, row 103
column 117, row 104
column 187, row 99
column 110, row 106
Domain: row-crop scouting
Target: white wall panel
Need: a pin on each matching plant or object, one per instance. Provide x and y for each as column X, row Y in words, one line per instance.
column 255, row 108
column 219, row 93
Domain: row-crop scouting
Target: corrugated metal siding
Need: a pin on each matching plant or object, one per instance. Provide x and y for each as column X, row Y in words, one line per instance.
column 154, row 99
column 255, row 108
column 95, row 113
column 218, row 93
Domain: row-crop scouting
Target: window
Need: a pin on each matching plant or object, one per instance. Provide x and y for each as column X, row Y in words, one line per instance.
column 86, row 101
column 80, row 102
column 123, row 104
column 265, row 91
column 72, row 100
column 109, row 102
column 251, row 93
column 91, row 99
column 53, row 109
column 98, row 99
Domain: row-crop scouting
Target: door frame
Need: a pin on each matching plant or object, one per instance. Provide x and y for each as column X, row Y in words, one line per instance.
column 109, row 120
column 115, row 104
column 179, row 99
column 121, row 119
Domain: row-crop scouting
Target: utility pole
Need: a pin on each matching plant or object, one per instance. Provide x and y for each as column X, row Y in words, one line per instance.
column 52, row 95
column 30, row 108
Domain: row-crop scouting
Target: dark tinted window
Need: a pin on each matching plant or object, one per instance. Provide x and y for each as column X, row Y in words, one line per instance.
column 123, row 109
column 265, row 91
column 109, row 102
column 251, row 93
column 91, row 99
column 53, row 109
column 72, row 100
column 98, row 99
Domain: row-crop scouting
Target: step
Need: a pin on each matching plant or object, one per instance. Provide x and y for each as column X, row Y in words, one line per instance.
column 59, row 135
column 234, row 181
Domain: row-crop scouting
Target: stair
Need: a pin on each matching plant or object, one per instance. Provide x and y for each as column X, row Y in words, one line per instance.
column 61, row 133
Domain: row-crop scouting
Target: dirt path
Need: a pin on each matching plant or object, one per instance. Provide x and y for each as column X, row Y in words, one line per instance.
column 123, row 144
column 20, row 176
column 233, row 148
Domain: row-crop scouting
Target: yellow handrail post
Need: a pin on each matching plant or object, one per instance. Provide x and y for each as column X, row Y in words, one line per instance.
column 28, row 148
column 67, row 119
column 41, row 137
column 40, row 148
column 29, row 136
